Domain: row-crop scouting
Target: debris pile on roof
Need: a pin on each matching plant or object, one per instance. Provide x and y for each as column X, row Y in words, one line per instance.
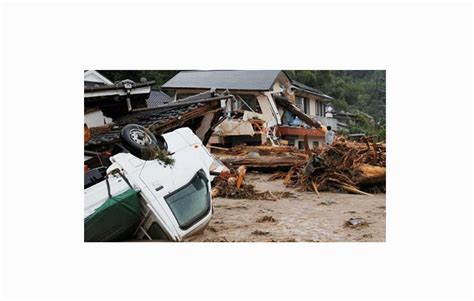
column 160, row 119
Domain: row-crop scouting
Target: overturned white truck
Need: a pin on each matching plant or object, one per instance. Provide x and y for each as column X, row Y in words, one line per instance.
column 143, row 199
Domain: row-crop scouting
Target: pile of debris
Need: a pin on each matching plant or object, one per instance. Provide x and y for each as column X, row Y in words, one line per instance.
column 355, row 167
column 231, row 185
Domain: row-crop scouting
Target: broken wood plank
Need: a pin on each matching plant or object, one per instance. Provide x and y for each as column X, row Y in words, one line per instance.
column 315, row 188
column 307, row 150
column 241, row 171
column 215, row 192
column 353, row 189
column 263, row 162
column 219, row 148
column 288, row 176
column 369, row 174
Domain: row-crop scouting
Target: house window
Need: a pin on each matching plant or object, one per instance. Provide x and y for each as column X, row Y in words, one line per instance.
column 320, row 109
column 301, row 144
column 306, row 105
column 299, row 102
column 303, row 104
column 315, row 144
column 250, row 100
column 291, row 142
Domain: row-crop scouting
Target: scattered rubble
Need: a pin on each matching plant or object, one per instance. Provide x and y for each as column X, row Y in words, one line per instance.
column 356, row 222
column 266, row 218
column 258, row 232
column 231, row 185
column 327, row 203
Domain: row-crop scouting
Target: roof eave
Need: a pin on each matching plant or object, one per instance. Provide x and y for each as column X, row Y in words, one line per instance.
column 117, row 86
column 329, row 98
column 206, row 88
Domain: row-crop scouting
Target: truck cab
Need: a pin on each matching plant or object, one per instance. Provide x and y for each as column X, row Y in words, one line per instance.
column 150, row 200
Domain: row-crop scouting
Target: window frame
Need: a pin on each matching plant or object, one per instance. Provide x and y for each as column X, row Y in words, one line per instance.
column 167, row 238
column 299, row 101
column 306, row 105
column 301, row 143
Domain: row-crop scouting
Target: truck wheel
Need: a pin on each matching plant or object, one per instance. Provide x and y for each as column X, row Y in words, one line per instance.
column 136, row 138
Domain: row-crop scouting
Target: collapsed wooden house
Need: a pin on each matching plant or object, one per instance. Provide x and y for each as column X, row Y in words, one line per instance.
column 269, row 107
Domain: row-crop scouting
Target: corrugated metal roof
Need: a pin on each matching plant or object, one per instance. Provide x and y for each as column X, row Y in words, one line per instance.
column 224, row 79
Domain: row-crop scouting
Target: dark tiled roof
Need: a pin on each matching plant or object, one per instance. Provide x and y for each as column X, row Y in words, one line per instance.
column 157, row 98
column 159, row 120
column 224, row 79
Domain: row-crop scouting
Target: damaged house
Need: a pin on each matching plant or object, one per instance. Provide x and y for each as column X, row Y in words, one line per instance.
column 105, row 100
column 269, row 107
column 108, row 107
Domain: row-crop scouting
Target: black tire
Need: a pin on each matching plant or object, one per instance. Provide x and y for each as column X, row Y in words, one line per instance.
column 136, row 138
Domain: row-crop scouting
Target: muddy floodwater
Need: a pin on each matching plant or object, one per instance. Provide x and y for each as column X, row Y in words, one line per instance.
column 332, row 217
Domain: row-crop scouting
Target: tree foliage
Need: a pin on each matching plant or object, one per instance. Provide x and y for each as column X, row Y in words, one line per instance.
column 159, row 76
column 361, row 90
column 353, row 91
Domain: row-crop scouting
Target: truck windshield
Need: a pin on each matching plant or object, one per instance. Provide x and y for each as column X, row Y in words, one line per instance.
column 191, row 202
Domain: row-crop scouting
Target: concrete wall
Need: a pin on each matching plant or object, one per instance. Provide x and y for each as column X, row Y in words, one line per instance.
column 328, row 122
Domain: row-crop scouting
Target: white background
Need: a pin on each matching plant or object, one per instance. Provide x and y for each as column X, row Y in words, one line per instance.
column 427, row 52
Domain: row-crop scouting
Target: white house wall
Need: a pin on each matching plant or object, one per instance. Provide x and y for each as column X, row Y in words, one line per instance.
column 271, row 102
column 269, row 109
column 97, row 118
column 234, row 128
column 205, row 125
column 96, row 77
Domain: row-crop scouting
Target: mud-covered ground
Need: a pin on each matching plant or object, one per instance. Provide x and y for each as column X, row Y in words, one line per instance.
column 305, row 217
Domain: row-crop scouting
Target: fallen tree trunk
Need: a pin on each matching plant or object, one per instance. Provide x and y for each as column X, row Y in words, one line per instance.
column 287, row 104
column 263, row 162
column 369, row 174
